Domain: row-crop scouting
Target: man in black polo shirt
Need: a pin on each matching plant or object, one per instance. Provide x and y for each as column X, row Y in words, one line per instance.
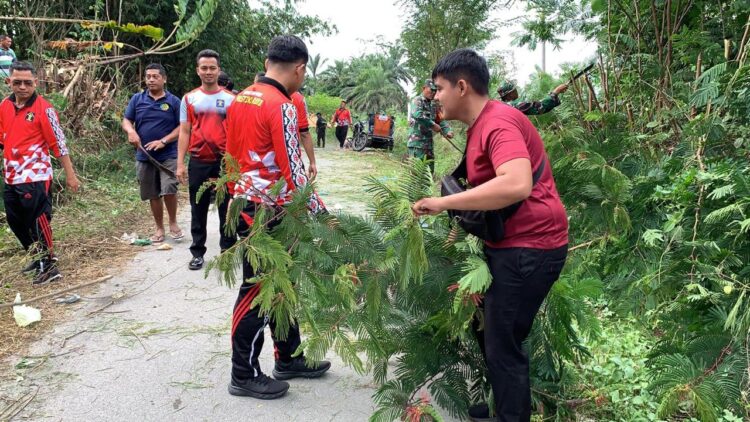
column 152, row 123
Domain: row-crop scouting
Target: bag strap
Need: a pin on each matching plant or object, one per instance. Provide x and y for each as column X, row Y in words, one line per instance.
column 461, row 172
column 538, row 173
column 511, row 209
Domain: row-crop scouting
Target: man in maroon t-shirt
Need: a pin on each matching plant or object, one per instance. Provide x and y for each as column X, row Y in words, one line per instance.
column 503, row 151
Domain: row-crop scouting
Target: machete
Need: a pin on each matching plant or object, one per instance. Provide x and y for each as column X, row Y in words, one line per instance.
column 579, row 74
column 153, row 161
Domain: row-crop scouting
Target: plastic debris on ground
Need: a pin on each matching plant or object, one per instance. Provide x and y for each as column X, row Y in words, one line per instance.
column 68, row 299
column 129, row 237
column 25, row 315
column 164, row 247
column 133, row 239
column 141, row 242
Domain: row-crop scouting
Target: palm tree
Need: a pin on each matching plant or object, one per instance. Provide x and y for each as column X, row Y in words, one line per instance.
column 378, row 80
column 544, row 29
column 313, row 68
column 370, row 82
column 335, row 78
column 314, row 65
column 375, row 90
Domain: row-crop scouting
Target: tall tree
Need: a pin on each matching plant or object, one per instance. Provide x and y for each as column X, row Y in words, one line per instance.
column 375, row 89
column 314, row 65
column 551, row 19
column 538, row 31
column 370, row 82
column 437, row 27
column 335, row 78
column 313, row 72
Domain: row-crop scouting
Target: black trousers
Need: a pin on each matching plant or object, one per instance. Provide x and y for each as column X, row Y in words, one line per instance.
column 198, row 173
column 521, row 279
column 29, row 211
column 341, row 134
column 321, row 131
column 248, row 325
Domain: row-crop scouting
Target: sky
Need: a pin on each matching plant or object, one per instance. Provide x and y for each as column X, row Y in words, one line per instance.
column 360, row 21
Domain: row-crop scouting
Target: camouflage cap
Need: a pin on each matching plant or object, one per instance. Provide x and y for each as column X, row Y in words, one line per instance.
column 506, row 88
column 429, row 83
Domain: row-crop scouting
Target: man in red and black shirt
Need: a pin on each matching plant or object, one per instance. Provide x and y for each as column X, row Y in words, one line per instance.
column 503, row 150
column 263, row 137
column 29, row 131
column 342, row 118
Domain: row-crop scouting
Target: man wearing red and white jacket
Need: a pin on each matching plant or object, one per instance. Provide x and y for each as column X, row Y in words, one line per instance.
column 263, row 137
column 29, row 131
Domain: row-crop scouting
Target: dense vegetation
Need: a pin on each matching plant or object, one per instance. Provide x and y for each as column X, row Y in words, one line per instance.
column 649, row 153
column 654, row 171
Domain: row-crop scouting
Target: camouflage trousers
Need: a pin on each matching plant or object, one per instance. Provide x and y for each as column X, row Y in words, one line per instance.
column 424, row 152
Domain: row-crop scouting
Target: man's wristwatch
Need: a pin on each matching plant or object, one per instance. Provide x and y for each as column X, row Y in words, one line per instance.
column 162, row 142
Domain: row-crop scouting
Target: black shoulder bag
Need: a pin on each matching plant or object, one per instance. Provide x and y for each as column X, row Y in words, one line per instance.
column 486, row 225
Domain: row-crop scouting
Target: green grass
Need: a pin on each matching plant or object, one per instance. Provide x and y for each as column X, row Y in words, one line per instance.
column 615, row 379
column 342, row 176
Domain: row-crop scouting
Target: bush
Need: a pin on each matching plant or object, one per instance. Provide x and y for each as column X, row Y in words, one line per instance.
column 322, row 103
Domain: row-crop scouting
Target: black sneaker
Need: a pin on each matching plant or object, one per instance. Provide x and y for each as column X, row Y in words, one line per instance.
column 298, row 369
column 33, row 267
column 47, row 275
column 196, row 263
column 261, row 387
column 481, row 413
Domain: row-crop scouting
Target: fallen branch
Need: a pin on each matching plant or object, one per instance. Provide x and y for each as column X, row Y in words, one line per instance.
column 51, row 20
column 101, row 309
column 73, row 81
column 589, row 243
column 17, row 407
column 59, row 292
column 62, row 346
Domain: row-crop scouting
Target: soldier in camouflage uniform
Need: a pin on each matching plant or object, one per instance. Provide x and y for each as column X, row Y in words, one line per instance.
column 423, row 122
column 509, row 94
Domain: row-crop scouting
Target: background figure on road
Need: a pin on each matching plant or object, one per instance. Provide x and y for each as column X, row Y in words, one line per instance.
column 29, row 130
column 509, row 94
column 152, row 123
column 202, row 132
column 320, row 127
column 342, row 118
column 423, row 123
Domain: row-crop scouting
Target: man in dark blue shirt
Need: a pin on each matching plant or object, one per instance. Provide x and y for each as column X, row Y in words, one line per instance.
column 152, row 123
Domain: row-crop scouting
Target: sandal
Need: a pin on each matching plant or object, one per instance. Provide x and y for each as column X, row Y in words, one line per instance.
column 176, row 235
column 157, row 238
